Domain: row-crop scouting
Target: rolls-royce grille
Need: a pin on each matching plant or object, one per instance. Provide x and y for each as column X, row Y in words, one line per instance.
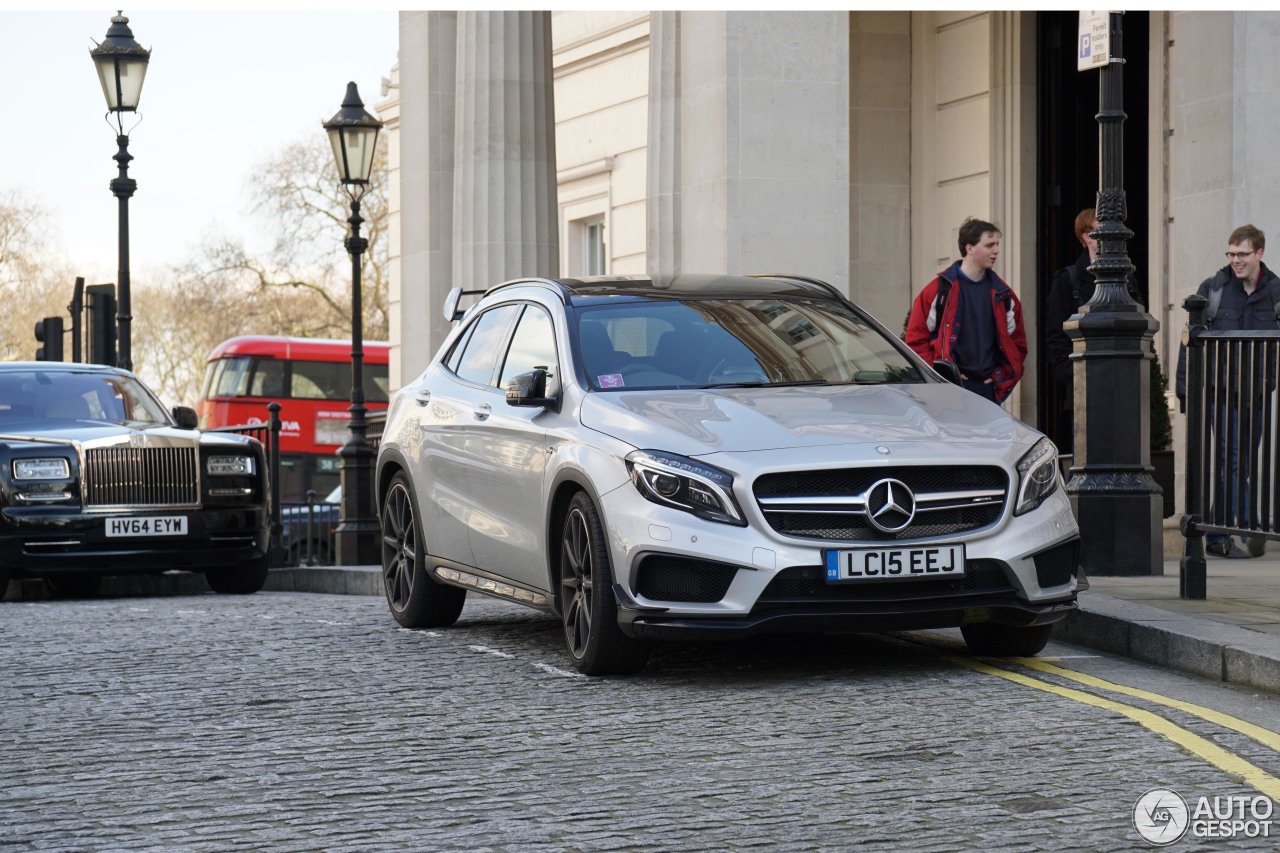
column 833, row 504
column 806, row 584
column 142, row 476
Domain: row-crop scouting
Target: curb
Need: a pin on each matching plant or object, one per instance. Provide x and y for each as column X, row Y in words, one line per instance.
column 1209, row 649
column 345, row 580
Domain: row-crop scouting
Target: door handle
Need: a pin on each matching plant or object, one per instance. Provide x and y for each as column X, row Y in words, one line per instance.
column 483, row 411
column 423, row 397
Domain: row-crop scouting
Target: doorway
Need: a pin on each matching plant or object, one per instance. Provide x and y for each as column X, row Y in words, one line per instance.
column 1067, row 180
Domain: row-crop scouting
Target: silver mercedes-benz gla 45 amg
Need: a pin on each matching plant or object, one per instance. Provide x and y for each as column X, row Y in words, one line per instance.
column 713, row 456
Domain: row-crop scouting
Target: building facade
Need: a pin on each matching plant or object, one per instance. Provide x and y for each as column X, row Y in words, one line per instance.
column 844, row 145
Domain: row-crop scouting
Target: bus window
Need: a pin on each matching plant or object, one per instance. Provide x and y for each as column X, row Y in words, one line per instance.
column 377, row 383
column 268, row 378
column 321, row 380
column 233, row 379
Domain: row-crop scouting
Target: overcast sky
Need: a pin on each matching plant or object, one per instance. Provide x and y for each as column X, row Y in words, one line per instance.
column 224, row 91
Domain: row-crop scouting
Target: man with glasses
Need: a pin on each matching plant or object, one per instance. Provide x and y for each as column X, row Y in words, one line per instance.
column 1243, row 296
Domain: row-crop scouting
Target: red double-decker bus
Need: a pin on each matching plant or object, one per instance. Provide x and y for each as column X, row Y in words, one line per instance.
column 311, row 380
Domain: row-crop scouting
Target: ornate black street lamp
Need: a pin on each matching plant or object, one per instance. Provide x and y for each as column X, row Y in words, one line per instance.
column 353, row 133
column 1116, row 500
column 121, row 64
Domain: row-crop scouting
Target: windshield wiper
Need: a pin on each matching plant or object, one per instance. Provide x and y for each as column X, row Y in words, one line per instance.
column 785, row 384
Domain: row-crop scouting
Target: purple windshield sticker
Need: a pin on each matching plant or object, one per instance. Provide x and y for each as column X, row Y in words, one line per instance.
column 610, row 380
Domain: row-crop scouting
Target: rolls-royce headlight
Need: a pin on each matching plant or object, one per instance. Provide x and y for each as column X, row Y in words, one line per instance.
column 683, row 483
column 234, row 466
column 53, row 468
column 1037, row 476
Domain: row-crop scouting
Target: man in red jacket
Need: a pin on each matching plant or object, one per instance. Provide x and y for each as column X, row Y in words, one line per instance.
column 970, row 318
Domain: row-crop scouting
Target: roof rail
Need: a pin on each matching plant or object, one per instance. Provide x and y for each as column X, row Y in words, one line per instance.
column 453, row 313
column 549, row 282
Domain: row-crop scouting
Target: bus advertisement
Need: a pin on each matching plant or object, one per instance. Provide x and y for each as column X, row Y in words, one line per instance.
column 311, row 380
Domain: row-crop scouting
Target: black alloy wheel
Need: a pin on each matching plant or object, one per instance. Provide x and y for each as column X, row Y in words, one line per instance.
column 416, row 599
column 587, row 604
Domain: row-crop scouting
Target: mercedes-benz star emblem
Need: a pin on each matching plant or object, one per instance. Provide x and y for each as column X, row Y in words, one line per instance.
column 890, row 505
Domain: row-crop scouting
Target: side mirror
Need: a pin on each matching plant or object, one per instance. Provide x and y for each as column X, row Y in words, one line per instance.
column 529, row 390
column 186, row 417
column 948, row 371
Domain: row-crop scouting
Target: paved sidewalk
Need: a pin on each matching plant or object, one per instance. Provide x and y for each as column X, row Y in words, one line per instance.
column 1233, row 635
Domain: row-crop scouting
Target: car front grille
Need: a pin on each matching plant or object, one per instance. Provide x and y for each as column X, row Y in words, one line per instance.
column 670, row 578
column 832, row 504
column 807, row 584
column 141, row 476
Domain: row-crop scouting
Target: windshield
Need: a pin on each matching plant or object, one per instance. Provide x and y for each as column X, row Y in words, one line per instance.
column 708, row 343
column 61, row 396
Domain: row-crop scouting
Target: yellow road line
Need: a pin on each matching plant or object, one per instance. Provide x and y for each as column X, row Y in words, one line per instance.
column 1263, row 736
column 1251, row 774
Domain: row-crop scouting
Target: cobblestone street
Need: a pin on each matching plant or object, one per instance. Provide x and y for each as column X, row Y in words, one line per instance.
column 288, row 721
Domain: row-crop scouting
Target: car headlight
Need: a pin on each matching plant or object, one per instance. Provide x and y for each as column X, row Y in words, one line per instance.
column 230, row 465
column 1037, row 476
column 682, row 483
column 54, row 468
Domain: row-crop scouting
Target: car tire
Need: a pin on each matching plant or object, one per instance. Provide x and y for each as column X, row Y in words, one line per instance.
column 587, row 604
column 73, row 586
column 1006, row 640
column 244, row 579
column 4, row 582
column 416, row 599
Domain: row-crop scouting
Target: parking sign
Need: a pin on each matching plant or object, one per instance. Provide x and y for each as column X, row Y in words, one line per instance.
column 1094, row 43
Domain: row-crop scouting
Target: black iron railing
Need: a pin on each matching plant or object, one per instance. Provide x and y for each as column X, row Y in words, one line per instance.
column 1232, row 439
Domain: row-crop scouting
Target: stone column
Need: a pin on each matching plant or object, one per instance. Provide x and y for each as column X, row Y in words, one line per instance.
column 428, row 47
column 761, row 179
column 663, row 226
column 505, row 221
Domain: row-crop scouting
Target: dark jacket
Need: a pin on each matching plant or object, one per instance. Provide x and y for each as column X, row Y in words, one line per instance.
column 1061, row 304
column 1237, row 311
column 932, row 337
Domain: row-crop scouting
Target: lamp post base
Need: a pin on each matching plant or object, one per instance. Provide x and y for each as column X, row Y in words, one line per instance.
column 1120, row 534
column 358, row 533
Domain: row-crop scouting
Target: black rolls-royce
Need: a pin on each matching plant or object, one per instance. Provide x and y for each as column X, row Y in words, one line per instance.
column 97, row 478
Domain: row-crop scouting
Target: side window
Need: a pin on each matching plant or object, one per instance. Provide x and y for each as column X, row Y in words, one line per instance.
column 455, row 355
column 532, row 345
column 480, row 354
column 321, row 380
column 377, row 383
column 233, row 378
column 268, row 378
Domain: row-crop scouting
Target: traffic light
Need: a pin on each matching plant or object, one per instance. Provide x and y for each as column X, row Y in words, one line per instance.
column 49, row 336
column 102, row 323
